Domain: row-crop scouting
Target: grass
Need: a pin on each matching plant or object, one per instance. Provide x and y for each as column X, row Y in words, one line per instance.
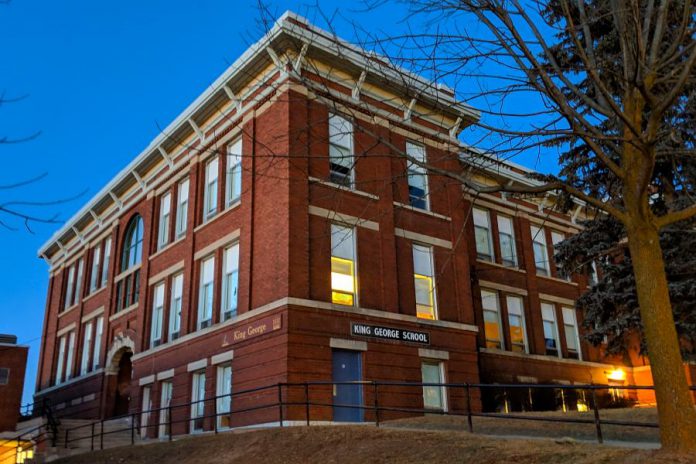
column 358, row 444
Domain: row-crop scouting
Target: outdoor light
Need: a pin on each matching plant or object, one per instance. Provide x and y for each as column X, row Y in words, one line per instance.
column 617, row 374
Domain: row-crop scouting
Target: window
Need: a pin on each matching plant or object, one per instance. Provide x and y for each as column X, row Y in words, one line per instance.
column 417, row 177
column 230, row 281
column 78, row 283
column 340, row 150
column 4, row 375
column 157, row 316
column 175, row 308
column 491, row 320
column 548, row 317
column 205, row 299
column 70, row 355
column 210, row 200
column 424, row 280
column 69, row 286
column 518, row 336
column 506, row 234
column 572, row 337
column 343, row 280
column 234, row 172
column 592, row 277
column 85, row 366
column 164, row 215
column 224, row 394
column 94, row 273
column 166, row 389
column 97, row 342
column 145, row 408
column 182, row 208
column 541, row 256
column 434, row 396
column 60, row 361
column 482, row 232
column 128, row 288
column 198, row 401
column 133, row 244
column 556, row 238
column 105, row 264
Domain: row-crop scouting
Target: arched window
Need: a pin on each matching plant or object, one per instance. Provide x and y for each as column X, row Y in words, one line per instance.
column 133, row 244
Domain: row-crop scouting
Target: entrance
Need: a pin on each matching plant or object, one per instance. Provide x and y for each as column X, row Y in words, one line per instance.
column 122, row 387
column 347, row 367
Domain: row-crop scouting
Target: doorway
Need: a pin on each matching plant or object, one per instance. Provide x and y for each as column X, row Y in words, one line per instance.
column 123, row 384
column 347, row 367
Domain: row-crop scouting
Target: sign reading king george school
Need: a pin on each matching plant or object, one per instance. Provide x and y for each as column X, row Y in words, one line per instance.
column 389, row 333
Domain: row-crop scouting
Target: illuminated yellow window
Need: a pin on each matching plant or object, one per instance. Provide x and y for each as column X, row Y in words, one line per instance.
column 424, row 281
column 515, row 311
column 343, row 277
column 491, row 320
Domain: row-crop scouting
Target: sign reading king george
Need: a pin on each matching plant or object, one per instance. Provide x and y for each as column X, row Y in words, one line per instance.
column 257, row 328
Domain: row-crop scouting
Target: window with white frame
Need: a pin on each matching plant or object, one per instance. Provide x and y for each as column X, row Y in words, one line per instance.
column 417, row 177
column 592, row 276
column 506, row 235
column 69, row 287
column 424, row 281
column 157, row 316
column 224, row 396
column 99, row 332
column 483, row 235
column 206, row 292
column 518, row 333
column 492, row 323
column 556, row 239
column 548, row 318
column 541, row 255
column 210, row 194
column 70, row 356
column 85, row 365
column 230, row 282
column 572, row 336
column 182, row 208
column 343, row 275
column 175, row 306
column 233, row 189
column 78, row 284
column 60, row 361
column 434, row 396
column 128, row 285
column 146, row 407
column 166, row 390
column 95, row 271
column 197, row 401
column 340, row 150
column 106, row 262
column 164, row 215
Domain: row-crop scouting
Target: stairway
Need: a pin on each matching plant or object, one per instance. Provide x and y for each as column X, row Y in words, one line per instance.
column 117, row 432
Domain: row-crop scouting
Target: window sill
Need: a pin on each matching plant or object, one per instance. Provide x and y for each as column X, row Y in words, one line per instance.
column 501, row 266
column 556, row 279
column 217, row 216
column 422, row 211
column 63, row 313
column 542, row 357
column 166, row 247
column 123, row 312
column 327, row 183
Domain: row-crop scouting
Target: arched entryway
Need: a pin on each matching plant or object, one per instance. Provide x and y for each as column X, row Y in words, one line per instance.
column 119, row 373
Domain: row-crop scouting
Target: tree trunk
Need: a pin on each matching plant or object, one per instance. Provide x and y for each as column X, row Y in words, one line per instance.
column 677, row 415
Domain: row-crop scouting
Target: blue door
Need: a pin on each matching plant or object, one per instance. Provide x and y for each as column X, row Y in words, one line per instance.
column 347, row 367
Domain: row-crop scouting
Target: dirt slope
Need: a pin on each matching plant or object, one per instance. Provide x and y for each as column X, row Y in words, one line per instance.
column 358, row 444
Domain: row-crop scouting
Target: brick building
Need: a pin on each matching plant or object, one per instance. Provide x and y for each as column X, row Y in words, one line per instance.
column 13, row 363
column 271, row 234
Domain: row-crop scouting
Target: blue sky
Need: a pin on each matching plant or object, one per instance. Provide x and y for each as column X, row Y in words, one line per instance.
column 100, row 77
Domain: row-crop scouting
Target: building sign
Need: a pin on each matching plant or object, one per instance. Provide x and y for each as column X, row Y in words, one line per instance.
column 389, row 333
column 257, row 328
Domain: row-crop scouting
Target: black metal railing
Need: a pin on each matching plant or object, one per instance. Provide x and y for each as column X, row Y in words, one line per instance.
column 313, row 402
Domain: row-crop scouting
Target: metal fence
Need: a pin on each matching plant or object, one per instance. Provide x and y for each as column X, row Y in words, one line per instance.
column 308, row 403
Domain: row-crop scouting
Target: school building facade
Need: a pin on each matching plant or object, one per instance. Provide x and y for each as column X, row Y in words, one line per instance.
column 275, row 232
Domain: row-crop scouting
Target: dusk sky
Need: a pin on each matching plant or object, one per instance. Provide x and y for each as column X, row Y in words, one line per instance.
column 100, row 79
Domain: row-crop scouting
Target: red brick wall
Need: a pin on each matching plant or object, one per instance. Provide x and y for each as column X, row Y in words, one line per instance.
column 14, row 358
